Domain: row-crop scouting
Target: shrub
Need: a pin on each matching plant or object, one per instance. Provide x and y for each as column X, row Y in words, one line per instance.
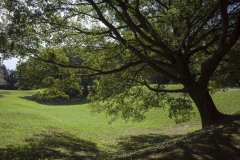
column 51, row 94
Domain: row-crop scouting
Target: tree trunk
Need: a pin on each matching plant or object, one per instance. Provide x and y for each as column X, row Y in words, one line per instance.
column 85, row 91
column 206, row 107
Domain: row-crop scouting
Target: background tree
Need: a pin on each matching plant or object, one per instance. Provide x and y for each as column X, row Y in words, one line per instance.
column 3, row 82
column 183, row 40
column 57, row 83
column 35, row 73
column 11, row 77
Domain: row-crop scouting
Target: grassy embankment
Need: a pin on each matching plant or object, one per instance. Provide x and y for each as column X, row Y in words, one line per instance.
column 70, row 131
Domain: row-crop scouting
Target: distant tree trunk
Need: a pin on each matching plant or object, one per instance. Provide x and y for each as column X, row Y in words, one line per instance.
column 85, row 91
column 208, row 112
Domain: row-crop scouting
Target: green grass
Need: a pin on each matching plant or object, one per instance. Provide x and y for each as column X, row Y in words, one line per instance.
column 31, row 129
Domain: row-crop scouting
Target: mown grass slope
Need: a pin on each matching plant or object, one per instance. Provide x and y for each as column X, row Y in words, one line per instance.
column 31, row 130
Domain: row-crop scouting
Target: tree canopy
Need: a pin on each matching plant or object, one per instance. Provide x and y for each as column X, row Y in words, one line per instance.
column 185, row 40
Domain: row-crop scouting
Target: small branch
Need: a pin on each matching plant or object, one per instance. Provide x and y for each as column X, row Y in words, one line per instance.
column 97, row 71
column 192, row 52
column 158, row 90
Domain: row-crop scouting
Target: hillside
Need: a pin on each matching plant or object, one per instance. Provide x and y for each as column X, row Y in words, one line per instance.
column 35, row 130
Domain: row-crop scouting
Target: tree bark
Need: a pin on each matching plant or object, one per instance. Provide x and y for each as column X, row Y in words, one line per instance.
column 208, row 112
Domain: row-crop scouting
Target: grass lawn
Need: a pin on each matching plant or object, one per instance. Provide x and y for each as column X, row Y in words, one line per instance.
column 31, row 130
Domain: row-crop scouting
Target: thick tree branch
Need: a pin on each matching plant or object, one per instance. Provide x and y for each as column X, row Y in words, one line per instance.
column 122, row 68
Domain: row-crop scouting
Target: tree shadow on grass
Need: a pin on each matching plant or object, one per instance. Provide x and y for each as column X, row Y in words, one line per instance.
column 74, row 101
column 219, row 143
column 136, row 143
column 53, row 145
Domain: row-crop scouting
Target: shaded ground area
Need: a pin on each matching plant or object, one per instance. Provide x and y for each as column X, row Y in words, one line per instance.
column 219, row 143
column 136, row 143
column 53, row 144
column 72, row 101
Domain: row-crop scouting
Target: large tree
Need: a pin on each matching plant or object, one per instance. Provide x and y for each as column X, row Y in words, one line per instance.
column 185, row 40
